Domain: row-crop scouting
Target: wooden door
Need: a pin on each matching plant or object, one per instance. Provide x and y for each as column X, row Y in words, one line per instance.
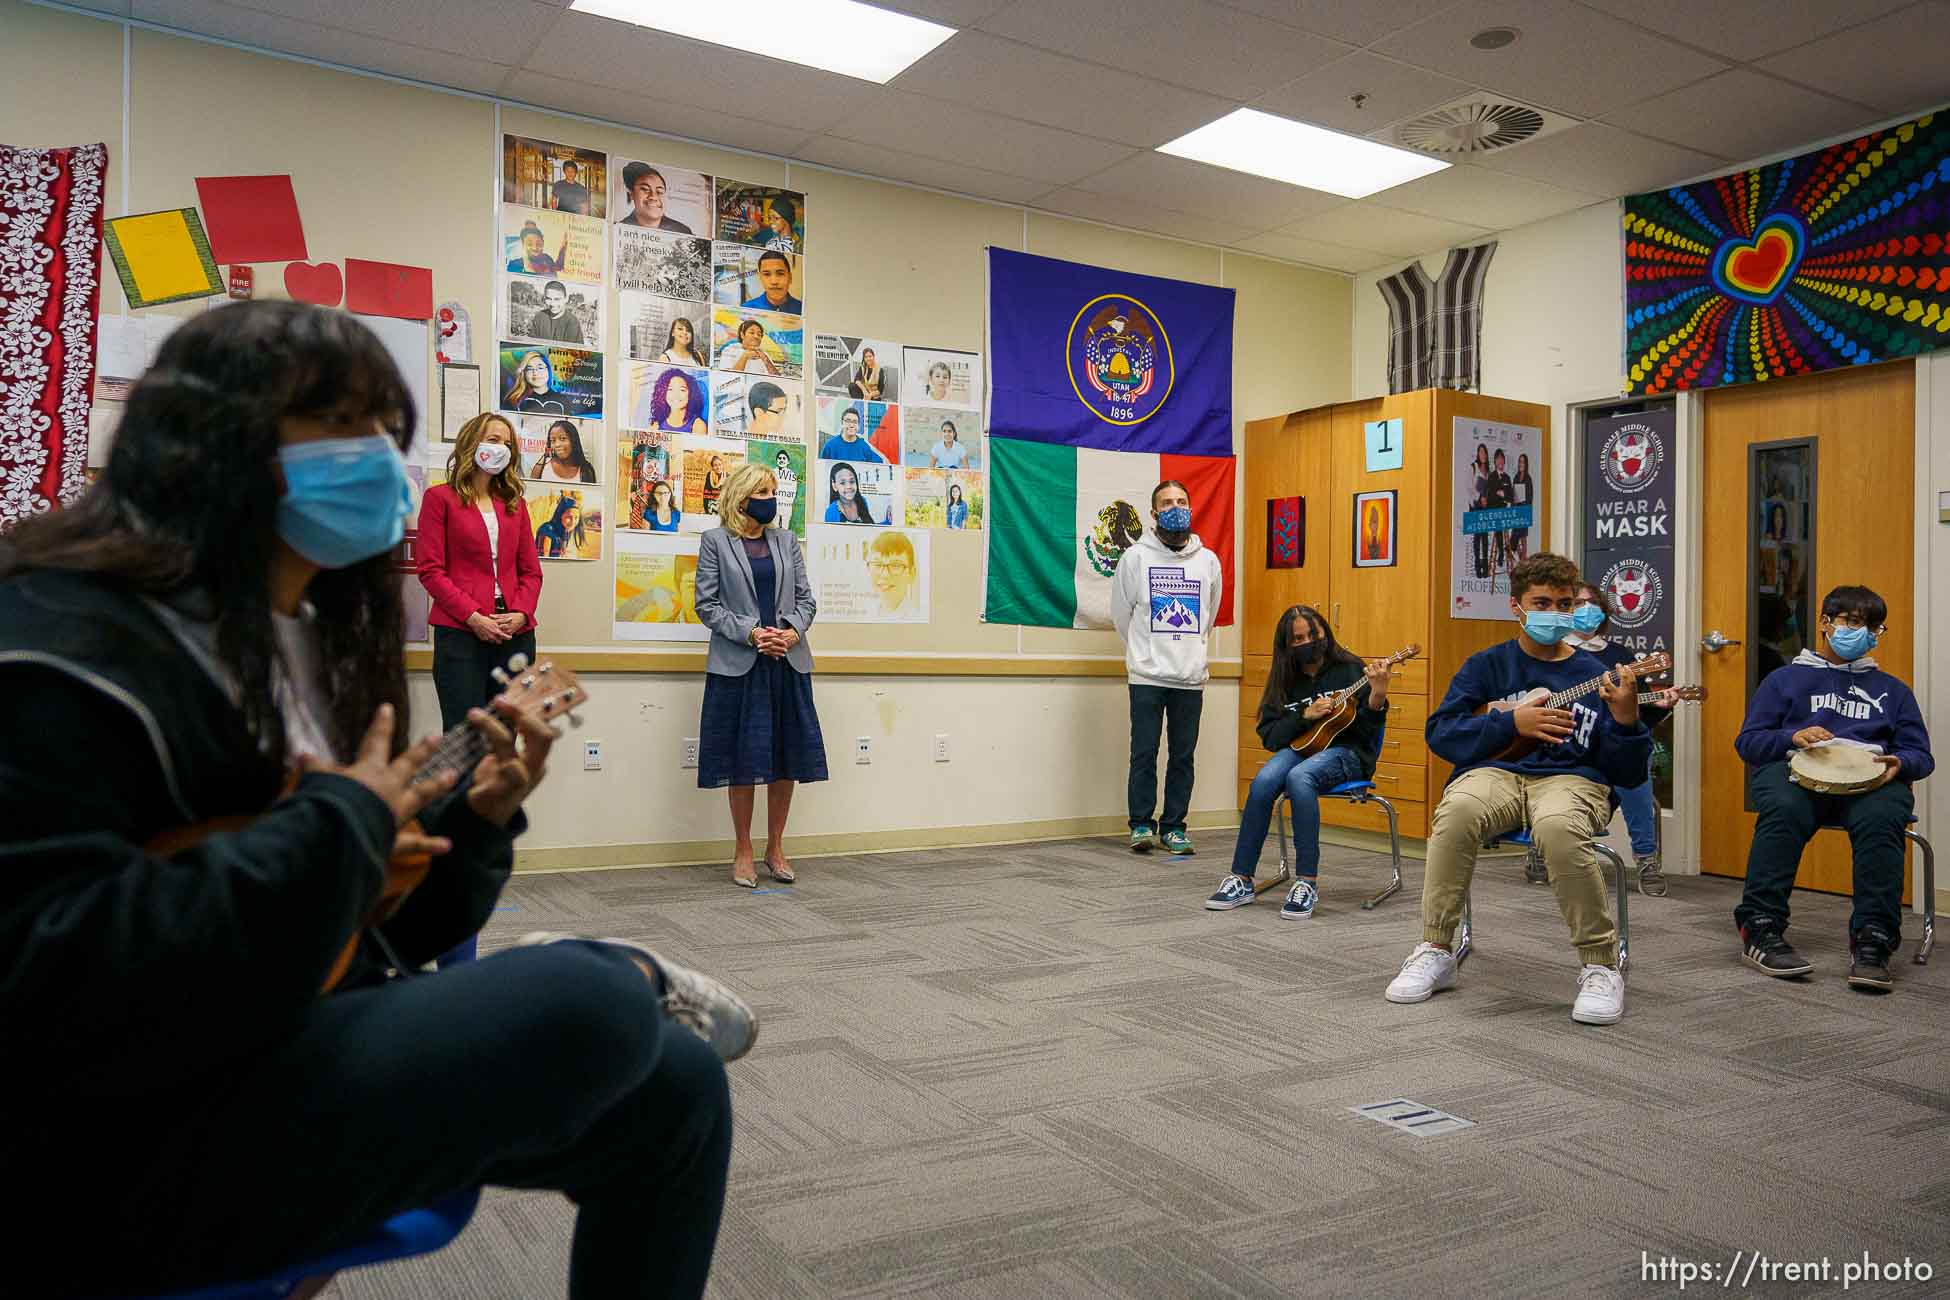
column 1375, row 611
column 1809, row 484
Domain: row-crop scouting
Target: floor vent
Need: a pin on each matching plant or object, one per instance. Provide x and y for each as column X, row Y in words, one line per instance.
column 1412, row 1117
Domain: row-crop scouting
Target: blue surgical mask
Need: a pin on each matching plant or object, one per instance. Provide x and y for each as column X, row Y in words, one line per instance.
column 1178, row 519
column 1546, row 626
column 762, row 510
column 345, row 499
column 1587, row 618
column 1851, row 643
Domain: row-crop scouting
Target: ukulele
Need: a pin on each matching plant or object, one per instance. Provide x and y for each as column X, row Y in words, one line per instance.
column 1651, row 665
column 546, row 693
column 1343, row 708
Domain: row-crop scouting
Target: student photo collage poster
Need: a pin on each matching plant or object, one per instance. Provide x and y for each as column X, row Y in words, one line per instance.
column 898, row 432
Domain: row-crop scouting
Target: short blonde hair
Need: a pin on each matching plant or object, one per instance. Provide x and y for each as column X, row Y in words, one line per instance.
column 460, row 463
column 738, row 487
column 894, row 545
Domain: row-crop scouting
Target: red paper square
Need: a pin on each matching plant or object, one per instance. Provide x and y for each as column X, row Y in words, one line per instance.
column 388, row 289
column 251, row 218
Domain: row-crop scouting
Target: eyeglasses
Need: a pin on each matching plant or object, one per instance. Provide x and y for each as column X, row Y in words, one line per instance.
column 885, row 565
column 1850, row 620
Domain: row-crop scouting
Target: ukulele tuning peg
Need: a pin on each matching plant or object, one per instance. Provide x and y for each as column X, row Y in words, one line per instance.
column 545, row 669
column 575, row 721
column 500, row 676
column 518, row 662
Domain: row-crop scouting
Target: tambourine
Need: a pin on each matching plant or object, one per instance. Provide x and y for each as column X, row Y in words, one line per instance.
column 1834, row 769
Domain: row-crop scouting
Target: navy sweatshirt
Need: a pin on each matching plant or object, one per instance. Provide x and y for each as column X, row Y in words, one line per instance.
column 1598, row 750
column 1857, row 702
column 1280, row 727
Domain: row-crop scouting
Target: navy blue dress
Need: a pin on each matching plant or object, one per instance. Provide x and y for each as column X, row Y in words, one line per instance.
column 760, row 727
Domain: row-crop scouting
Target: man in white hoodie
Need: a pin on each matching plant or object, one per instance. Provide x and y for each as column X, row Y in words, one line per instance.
column 1163, row 600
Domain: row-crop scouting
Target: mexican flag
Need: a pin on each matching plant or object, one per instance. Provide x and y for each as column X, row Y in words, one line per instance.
column 1059, row 518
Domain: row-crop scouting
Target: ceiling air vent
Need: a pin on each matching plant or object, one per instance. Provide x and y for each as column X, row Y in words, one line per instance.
column 1476, row 125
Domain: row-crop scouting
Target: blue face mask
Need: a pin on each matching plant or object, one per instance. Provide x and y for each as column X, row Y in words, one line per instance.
column 1587, row 618
column 1546, row 626
column 345, row 499
column 1851, row 643
column 1178, row 519
column 762, row 510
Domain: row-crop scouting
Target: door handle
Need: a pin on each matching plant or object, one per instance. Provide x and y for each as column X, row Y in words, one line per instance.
column 1713, row 642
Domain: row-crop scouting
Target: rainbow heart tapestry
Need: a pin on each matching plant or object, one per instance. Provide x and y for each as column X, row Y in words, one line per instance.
column 1839, row 257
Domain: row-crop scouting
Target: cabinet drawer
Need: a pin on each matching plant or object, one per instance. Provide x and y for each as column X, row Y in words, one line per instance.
column 1403, row 745
column 1411, row 815
column 1411, row 678
column 1401, row 780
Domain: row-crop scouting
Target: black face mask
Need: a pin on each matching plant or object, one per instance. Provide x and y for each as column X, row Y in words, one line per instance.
column 1309, row 653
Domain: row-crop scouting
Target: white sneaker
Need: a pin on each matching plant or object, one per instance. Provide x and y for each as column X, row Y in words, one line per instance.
column 1427, row 971
column 701, row 1004
column 1601, row 996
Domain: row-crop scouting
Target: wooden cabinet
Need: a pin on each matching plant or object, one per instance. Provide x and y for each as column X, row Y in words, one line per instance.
column 1320, row 455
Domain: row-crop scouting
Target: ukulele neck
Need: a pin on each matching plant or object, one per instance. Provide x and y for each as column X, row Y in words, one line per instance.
column 458, row 751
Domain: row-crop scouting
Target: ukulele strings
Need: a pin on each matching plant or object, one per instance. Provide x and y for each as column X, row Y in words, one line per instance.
column 463, row 746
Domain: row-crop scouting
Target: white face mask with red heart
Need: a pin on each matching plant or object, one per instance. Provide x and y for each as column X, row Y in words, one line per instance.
column 492, row 456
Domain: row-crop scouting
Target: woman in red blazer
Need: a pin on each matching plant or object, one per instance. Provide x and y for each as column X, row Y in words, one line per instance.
column 478, row 562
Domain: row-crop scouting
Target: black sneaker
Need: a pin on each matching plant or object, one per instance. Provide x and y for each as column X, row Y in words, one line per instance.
column 1868, row 961
column 1766, row 951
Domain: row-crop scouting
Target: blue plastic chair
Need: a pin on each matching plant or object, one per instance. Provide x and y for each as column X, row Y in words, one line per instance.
column 1922, row 957
column 1521, row 838
column 1353, row 792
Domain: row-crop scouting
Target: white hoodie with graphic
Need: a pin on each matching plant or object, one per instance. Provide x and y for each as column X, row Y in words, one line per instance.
column 1163, row 603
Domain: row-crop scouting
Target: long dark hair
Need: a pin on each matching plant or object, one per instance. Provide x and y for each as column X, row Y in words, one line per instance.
column 186, row 510
column 1279, row 681
column 577, row 456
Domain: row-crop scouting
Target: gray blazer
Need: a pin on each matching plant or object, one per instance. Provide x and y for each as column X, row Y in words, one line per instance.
column 727, row 599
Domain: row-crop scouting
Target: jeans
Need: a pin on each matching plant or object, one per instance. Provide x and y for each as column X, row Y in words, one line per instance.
column 551, row 1067
column 1641, row 818
column 1788, row 815
column 1302, row 780
column 462, row 663
column 1176, row 711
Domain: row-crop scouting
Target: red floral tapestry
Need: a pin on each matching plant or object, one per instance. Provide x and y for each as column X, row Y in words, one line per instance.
column 50, row 285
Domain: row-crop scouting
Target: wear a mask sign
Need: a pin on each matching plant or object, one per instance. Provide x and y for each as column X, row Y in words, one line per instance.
column 1628, row 520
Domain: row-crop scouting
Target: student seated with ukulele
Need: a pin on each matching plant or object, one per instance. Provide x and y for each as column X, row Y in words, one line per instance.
column 1532, row 748
column 214, row 631
column 1309, row 668
column 1826, row 699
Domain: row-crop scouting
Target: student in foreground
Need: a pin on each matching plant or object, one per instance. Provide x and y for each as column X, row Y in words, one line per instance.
column 1560, row 788
column 215, row 630
column 1832, row 696
column 1309, row 665
column 1163, row 599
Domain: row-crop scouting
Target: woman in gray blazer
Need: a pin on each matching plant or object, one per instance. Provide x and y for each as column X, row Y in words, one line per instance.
column 758, row 726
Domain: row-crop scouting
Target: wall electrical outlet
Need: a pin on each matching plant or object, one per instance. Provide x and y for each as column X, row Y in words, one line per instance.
column 690, row 751
column 941, row 747
column 592, row 755
column 863, row 749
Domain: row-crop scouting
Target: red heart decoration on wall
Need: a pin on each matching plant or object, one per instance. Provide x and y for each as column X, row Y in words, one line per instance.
column 321, row 285
column 1758, row 269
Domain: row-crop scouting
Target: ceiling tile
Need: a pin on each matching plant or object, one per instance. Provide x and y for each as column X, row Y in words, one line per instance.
column 987, row 71
column 1314, row 252
column 1603, row 160
column 1150, row 179
column 1742, row 114
column 120, row 8
column 326, row 44
column 498, row 31
column 1358, row 22
column 1895, row 63
column 1158, row 221
column 637, row 60
column 568, row 95
column 951, row 13
column 1483, row 198
column 1404, row 234
column 1746, row 29
column 1194, row 43
column 952, row 133
column 1393, row 91
column 1569, row 58
column 879, row 160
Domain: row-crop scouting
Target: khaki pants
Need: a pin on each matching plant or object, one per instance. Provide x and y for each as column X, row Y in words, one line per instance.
column 1566, row 814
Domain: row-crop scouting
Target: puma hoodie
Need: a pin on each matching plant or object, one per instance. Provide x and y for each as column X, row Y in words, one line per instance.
column 1857, row 702
column 1163, row 603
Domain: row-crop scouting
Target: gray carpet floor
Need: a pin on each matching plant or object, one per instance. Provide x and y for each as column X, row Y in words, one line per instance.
column 1045, row 1071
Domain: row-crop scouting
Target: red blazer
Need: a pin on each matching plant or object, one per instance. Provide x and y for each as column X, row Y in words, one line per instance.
column 455, row 559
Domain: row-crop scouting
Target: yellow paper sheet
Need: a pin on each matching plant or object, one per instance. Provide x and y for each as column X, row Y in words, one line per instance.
column 164, row 256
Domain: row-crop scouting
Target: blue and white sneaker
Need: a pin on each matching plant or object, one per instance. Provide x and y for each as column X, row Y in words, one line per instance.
column 1234, row 891
column 1300, row 900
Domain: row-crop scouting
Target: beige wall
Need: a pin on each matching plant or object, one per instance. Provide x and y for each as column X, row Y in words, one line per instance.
column 405, row 173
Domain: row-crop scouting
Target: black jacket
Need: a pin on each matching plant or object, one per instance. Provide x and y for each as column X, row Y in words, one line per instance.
column 1280, row 727
column 122, row 973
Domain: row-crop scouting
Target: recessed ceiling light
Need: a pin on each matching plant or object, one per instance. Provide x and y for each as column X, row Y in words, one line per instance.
column 1494, row 38
column 843, row 36
column 1261, row 144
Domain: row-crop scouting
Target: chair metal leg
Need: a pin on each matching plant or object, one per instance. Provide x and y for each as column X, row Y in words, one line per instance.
column 1606, row 852
column 1463, row 943
column 1261, row 886
column 1394, row 851
column 1922, row 957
